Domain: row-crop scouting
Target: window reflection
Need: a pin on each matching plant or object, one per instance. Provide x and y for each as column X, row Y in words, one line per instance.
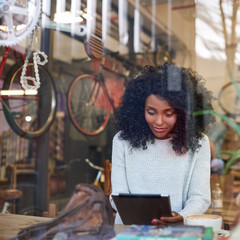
column 128, row 34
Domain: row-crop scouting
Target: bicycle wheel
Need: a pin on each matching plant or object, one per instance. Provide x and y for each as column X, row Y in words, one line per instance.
column 29, row 116
column 229, row 99
column 31, row 211
column 88, row 105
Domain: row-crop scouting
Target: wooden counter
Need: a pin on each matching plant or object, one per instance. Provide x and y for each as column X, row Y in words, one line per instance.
column 11, row 224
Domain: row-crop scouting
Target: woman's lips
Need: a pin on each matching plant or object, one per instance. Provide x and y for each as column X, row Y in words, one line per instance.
column 159, row 130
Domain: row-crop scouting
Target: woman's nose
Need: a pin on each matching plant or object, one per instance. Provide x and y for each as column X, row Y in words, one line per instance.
column 159, row 120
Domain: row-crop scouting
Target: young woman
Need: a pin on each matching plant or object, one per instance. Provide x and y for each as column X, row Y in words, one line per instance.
column 161, row 147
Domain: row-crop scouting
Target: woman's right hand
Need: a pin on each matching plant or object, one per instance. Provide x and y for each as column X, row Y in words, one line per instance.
column 176, row 218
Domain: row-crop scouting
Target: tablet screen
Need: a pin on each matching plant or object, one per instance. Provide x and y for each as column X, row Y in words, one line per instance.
column 142, row 208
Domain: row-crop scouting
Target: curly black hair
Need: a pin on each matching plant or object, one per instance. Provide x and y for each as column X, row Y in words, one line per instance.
column 183, row 89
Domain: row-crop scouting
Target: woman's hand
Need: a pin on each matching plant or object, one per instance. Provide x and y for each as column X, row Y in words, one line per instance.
column 176, row 218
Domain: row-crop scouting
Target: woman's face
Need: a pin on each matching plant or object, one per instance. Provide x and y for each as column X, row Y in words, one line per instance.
column 160, row 117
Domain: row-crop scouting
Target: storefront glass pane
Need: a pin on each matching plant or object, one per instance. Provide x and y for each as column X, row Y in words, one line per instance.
column 93, row 48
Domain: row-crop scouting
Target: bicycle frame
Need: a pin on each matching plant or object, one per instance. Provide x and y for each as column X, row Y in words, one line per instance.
column 100, row 77
column 5, row 56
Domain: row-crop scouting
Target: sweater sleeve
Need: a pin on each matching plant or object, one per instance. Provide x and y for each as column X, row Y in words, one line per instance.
column 118, row 173
column 198, row 196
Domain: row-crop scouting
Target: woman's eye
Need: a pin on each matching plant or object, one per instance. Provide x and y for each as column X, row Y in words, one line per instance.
column 169, row 114
column 150, row 113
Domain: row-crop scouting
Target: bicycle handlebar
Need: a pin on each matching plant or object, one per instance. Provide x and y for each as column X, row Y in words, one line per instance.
column 94, row 166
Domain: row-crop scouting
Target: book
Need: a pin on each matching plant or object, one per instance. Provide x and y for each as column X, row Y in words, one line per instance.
column 170, row 232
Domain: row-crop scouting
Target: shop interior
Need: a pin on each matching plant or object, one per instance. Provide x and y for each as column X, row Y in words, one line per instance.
column 105, row 42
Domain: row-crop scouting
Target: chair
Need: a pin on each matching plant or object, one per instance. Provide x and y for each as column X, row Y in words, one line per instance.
column 107, row 181
column 21, row 169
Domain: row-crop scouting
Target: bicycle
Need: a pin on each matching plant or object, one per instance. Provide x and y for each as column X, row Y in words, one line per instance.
column 29, row 113
column 89, row 103
column 103, row 177
column 100, row 177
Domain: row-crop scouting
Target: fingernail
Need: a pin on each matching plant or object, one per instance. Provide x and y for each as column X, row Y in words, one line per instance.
column 154, row 221
column 161, row 218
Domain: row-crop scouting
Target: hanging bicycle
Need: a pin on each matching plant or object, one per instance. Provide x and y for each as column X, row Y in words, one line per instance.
column 28, row 112
column 89, row 102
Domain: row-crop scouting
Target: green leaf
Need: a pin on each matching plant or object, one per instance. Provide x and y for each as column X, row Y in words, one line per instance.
column 235, row 156
column 231, row 152
column 223, row 117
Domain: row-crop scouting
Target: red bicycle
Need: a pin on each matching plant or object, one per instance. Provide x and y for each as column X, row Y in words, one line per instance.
column 89, row 100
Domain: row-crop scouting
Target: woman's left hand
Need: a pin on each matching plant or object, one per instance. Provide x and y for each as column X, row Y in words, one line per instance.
column 176, row 218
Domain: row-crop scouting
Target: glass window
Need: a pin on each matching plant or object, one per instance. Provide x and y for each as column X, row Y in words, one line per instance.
column 65, row 66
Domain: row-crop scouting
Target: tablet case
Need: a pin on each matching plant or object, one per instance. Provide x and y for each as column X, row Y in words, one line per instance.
column 142, row 208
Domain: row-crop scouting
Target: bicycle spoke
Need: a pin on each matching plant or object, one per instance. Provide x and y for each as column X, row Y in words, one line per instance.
column 19, row 10
column 9, row 22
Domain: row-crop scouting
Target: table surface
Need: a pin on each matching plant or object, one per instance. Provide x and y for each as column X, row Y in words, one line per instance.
column 11, row 224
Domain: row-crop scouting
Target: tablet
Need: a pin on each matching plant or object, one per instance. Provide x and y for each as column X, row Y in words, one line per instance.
column 142, row 208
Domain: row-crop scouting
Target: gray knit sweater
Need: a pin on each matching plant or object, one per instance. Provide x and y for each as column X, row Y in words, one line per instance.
column 159, row 170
